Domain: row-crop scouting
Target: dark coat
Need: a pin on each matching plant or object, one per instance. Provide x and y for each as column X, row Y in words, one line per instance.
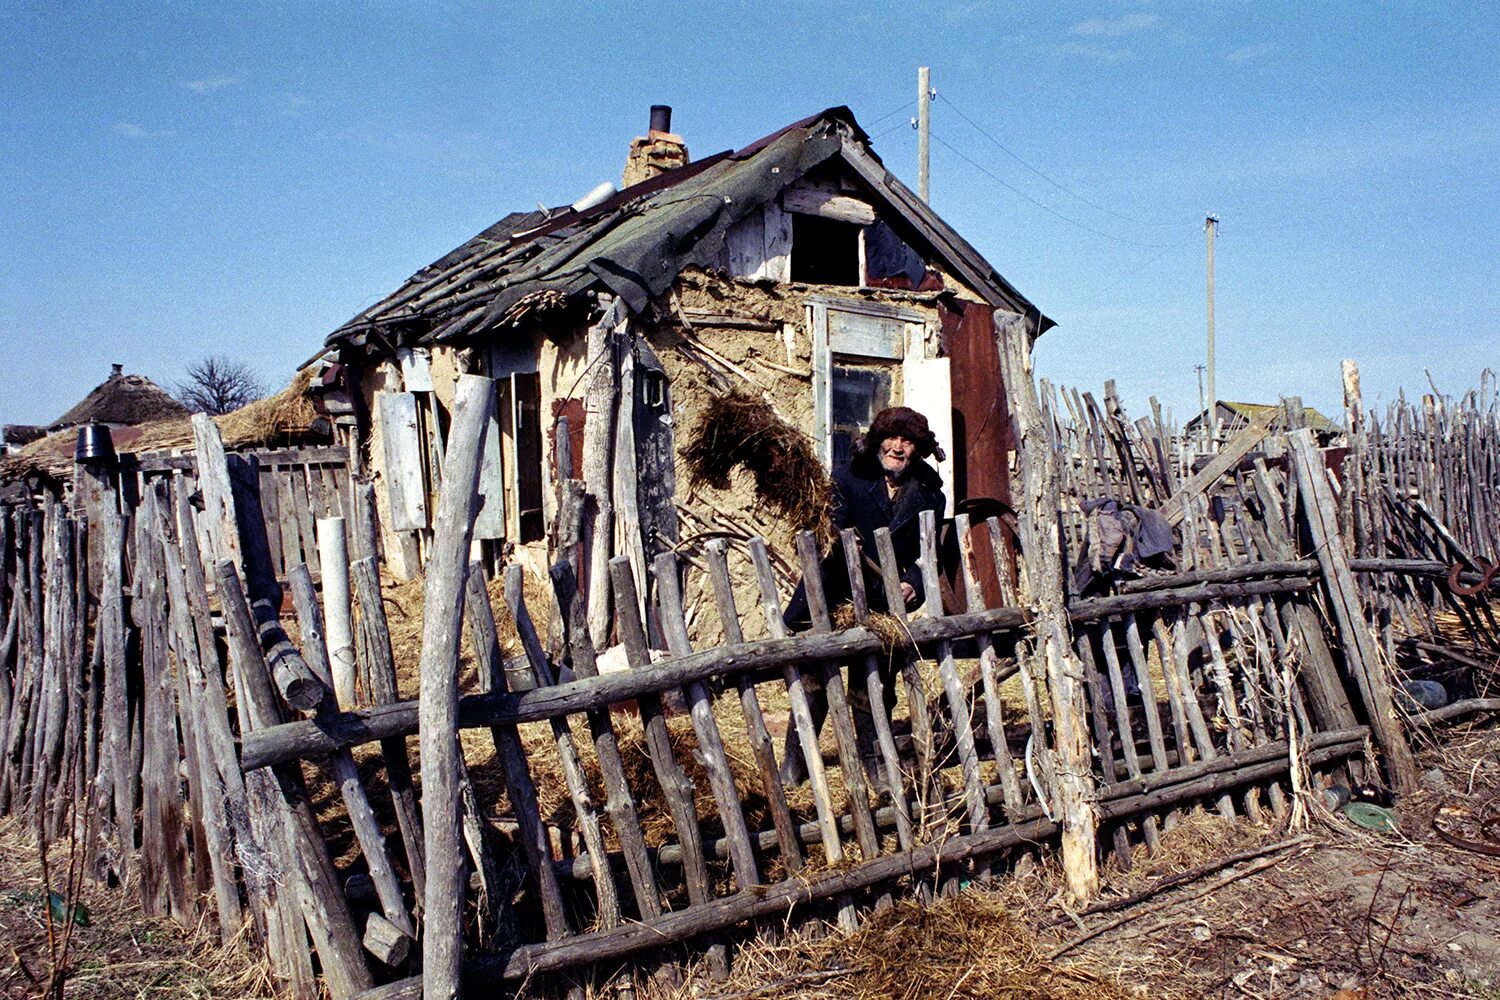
column 861, row 502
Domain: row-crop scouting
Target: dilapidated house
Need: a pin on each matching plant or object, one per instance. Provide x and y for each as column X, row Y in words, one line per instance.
column 796, row 268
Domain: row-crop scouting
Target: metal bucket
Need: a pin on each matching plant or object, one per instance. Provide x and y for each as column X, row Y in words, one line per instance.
column 94, row 444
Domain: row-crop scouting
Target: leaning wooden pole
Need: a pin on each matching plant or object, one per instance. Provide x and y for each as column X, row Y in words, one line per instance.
column 442, row 632
column 1361, row 655
column 1042, row 548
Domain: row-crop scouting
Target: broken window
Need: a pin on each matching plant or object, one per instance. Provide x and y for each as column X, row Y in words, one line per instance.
column 889, row 261
column 825, row 251
column 516, row 474
column 857, row 393
column 519, row 399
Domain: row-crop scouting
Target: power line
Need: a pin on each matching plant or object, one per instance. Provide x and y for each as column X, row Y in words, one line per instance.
column 896, row 111
column 1046, row 208
column 1061, row 187
column 894, row 128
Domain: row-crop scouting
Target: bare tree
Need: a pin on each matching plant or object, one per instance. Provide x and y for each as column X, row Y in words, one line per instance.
column 217, row 385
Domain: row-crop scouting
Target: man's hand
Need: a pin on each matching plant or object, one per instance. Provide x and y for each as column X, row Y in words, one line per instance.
column 908, row 592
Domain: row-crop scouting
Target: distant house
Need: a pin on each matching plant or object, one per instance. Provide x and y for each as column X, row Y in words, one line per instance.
column 1232, row 416
column 796, row 268
column 14, row 436
column 121, row 401
column 143, row 418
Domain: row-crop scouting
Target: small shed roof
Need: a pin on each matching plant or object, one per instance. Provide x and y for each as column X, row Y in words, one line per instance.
column 1248, row 412
column 637, row 242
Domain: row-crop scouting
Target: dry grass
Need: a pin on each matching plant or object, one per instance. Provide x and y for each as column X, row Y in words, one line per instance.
column 121, row 954
column 739, row 430
column 971, row 946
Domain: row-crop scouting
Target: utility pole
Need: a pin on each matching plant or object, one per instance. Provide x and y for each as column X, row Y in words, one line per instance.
column 1210, row 225
column 924, row 124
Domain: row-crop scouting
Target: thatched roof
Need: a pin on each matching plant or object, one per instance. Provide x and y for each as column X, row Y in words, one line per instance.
column 19, row 434
column 285, row 418
column 122, row 399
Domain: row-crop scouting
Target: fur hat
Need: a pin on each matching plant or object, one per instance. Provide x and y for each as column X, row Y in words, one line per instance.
column 903, row 421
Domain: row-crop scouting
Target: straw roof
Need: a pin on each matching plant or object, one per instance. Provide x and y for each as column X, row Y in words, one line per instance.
column 283, row 418
column 122, row 399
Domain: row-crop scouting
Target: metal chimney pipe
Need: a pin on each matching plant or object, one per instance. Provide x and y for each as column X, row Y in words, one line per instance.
column 661, row 117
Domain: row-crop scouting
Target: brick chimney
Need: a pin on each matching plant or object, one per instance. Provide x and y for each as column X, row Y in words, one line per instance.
column 658, row 151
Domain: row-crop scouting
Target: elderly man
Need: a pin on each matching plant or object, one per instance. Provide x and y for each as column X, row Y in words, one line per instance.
column 887, row 485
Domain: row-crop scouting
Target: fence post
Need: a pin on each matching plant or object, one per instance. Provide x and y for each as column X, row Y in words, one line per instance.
column 1040, row 543
column 442, row 631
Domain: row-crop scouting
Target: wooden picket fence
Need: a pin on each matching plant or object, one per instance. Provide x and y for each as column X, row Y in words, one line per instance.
column 164, row 719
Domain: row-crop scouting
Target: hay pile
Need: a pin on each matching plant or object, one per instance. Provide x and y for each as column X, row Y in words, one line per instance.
column 738, row 430
column 975, row 945
column 266, row 421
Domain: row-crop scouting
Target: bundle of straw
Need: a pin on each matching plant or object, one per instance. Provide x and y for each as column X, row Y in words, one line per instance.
column 742, row 431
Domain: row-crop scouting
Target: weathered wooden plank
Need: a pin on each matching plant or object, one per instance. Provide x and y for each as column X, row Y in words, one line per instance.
column 382, row 675
column 916, row 691
column 489, row 523
column 676, row 787
column 1227, row 458
column 993, row 709
column 208, row 800
column 710, row 742
column 958, row 701
column 567, row 750
column 356, row 800
column 323, row 903
column 619, row 801
column 598, row 465
column 226, row 783
column 270, row 505
column 396, row 415
column 512, row 754
column 761, row 746
column 165, row 880
column 827, row 204
column 218, row 500
column 302, row 507
column 801, row 713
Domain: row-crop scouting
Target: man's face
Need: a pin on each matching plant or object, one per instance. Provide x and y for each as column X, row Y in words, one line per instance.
column 896, row 454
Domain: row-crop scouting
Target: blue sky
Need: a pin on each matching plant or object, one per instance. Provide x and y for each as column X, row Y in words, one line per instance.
column 180, row 179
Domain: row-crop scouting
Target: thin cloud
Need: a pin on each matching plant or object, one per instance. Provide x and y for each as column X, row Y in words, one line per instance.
column 134, row 130
column 208, row 84
column 1125, row 24
column 294, row 105
column 1098, row 53
column 1251, row 52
